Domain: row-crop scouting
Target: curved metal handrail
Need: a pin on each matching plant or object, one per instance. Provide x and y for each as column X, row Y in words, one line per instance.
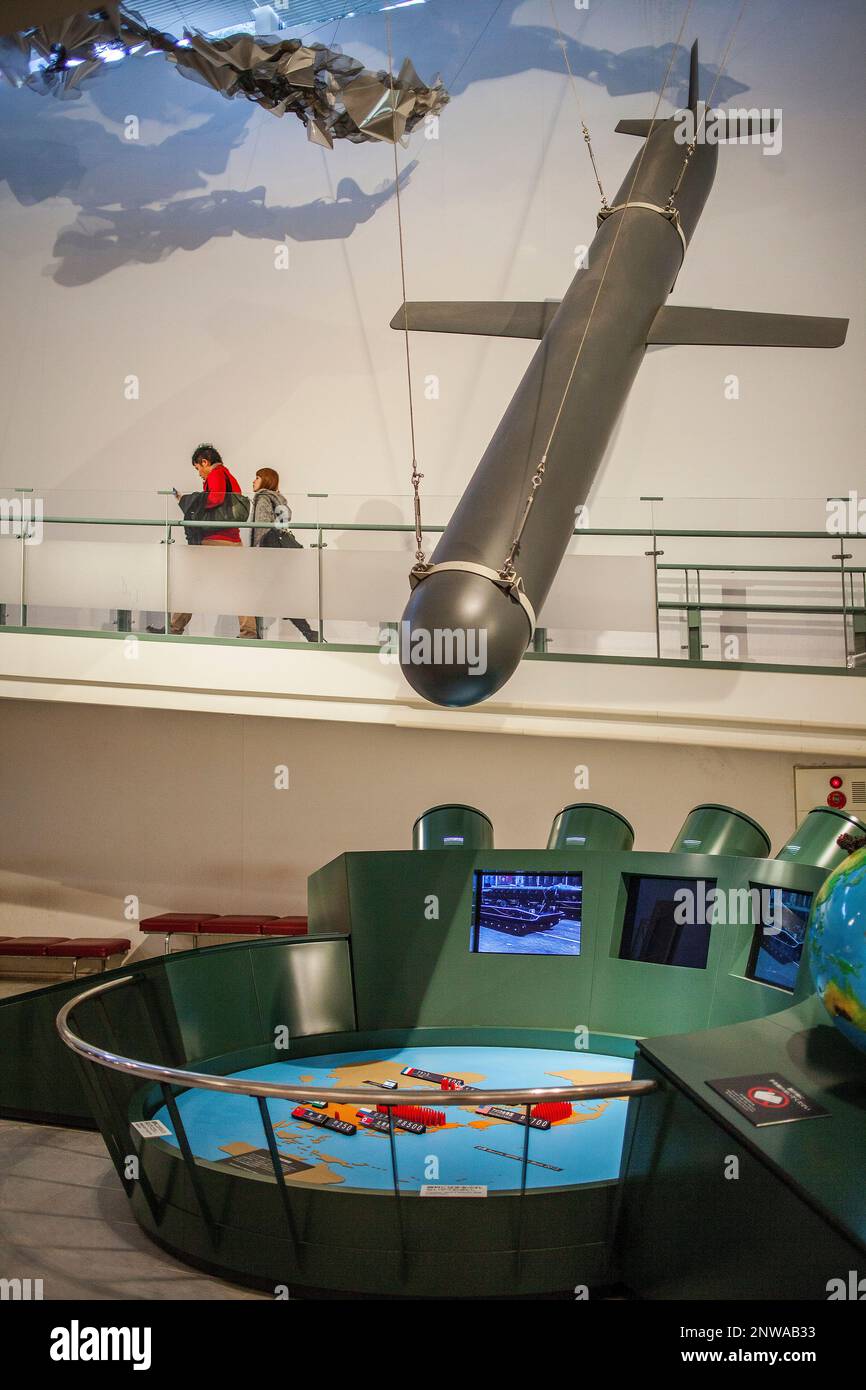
column 340, row 1095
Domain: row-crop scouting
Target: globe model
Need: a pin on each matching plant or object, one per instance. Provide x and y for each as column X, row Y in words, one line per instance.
column 837, row 947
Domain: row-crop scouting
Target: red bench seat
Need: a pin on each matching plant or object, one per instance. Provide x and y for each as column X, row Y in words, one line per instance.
column 90, row 947
column 79, row 948
column 175, row 921
column 29, row 945
column 169, row 923
column 198, row 924
column 286, row 926
column 241, row 924
column 64, row 948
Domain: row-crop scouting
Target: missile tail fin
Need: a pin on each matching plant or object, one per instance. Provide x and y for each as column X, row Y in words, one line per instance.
column 693, row 79
column 746, row 127
column 681, row 325
column 496, row 319
column 641, row 128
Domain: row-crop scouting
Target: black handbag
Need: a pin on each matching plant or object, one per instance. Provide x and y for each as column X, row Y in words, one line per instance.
column 192, row 506
column 234, row 507
column 282, row 540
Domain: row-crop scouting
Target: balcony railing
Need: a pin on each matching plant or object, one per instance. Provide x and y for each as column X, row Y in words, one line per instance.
column 665, row 589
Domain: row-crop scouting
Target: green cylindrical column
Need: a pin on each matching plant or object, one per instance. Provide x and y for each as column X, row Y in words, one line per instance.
column 452, row 827
column 814, row 840
column 585, row 825
column 712, row 829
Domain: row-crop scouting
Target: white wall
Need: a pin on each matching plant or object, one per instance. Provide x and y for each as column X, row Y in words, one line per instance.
column 180, row 809
column 113, row 262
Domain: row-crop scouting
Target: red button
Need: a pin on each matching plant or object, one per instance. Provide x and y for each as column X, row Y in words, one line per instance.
column 837, row 800
column 836, row 782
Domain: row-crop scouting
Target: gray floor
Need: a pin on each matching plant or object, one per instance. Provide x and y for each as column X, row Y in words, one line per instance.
column 23, row 984
column 64, row 1219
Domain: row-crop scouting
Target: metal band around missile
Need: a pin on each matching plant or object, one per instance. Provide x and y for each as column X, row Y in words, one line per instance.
column 513, row 589
column 670, row 215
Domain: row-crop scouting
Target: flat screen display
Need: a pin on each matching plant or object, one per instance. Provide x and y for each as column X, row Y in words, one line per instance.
column 527, row 914
column 667, row 920
column 778, row 941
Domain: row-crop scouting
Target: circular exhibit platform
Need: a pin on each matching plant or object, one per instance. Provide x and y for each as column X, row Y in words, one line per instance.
column 335, row 1221
column 460, row 1146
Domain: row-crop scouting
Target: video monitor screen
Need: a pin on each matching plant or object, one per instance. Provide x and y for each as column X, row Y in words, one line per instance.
column 779, row 934
column 527, row 914
column 667, row 921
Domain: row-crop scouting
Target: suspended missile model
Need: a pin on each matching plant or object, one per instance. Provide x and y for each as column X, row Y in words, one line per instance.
column 591, row 345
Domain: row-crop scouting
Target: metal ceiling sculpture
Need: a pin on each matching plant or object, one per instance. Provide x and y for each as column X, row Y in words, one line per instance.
column 335, row 96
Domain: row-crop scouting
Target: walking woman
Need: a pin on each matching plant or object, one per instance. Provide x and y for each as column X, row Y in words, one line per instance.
column 271, row 515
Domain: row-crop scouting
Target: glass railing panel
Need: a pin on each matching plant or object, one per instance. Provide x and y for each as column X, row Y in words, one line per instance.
column 764, row 616
column 218, row 584
column 10, row 578
column 93, row 578
column 121, row 504
column 601, row 605
column 365, row 583
column 768, row 639
column 556, row 641
column 612, row 514
column 396, row 509
column 742, row 513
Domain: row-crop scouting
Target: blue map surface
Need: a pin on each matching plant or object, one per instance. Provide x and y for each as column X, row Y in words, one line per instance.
column 472, row 1150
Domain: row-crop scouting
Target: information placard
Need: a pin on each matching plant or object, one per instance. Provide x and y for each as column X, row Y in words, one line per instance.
column 767, row 1099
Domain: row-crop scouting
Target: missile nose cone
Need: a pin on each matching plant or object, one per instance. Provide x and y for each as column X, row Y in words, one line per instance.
column 461, row 638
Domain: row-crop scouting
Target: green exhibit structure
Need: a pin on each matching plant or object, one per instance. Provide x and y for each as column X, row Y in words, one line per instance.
column 815, row 841
column 485, row 1073
column 452, row 827
column 584, row 825
column 721, row 830
column 715, row 1205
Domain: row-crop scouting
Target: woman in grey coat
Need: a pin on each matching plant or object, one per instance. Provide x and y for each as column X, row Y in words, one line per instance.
column 269, row 505
column 270, row 513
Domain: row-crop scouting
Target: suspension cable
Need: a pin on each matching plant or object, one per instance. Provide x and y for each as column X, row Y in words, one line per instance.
column 564, row 47
column 508, row 572
column 691, row 147
column 420, row 557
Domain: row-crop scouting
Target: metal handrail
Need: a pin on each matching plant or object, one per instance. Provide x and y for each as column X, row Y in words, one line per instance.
column 693, row 605
column 340, row 1095
column 638, row 532
column 763, row 569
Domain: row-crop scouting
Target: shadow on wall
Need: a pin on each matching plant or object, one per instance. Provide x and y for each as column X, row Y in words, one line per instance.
column 376, row 511
column 118, row 186
column 100, row 241
column 133, row 198
column 505, row 49
column 51, row 149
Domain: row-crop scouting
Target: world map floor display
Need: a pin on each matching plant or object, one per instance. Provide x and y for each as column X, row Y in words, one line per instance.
column 349, row 1146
